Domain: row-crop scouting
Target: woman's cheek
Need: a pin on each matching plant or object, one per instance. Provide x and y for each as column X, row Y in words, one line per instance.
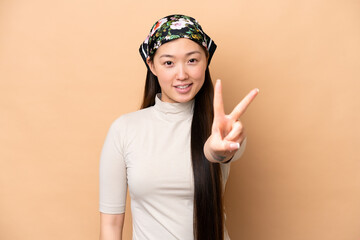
column 200, row 74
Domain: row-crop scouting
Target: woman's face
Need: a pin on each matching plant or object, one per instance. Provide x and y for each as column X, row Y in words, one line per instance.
column 180, row 68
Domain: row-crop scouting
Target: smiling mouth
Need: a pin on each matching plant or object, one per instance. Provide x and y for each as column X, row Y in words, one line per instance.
column 183, row 86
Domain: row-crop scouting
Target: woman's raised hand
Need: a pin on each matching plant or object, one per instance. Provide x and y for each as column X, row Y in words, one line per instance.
column 227, row 131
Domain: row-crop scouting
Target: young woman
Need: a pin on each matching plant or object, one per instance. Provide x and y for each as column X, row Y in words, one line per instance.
column 174, row 153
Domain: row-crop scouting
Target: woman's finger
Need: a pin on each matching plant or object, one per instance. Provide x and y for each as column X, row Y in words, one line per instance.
column 243, row 105
column 232, row 146
column 218, row 101
column 241, row 138
column 236, row 131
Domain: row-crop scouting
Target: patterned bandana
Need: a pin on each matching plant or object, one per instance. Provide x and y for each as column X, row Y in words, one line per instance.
column 174, row 27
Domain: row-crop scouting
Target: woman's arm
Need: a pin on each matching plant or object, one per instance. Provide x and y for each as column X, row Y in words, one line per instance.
column 111, row 226
column 112, row 184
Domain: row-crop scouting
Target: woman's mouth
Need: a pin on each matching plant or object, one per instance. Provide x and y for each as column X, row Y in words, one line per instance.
column 183, row 88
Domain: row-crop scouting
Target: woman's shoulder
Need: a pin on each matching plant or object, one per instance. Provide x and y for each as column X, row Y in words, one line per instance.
column 133, row 118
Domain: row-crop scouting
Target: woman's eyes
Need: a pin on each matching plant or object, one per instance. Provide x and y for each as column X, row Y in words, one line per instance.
column 170, row 63
column 193, row 60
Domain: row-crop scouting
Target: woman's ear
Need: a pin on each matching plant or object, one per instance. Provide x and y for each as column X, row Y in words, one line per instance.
column 151, row 65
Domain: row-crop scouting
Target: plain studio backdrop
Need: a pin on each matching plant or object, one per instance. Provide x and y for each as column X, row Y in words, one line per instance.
column 69, row 68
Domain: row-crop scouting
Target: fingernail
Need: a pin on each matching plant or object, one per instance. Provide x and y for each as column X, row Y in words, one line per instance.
column 258, row 90
column 235, row 145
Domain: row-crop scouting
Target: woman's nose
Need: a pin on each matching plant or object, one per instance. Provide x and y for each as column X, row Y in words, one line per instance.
column 181, row 73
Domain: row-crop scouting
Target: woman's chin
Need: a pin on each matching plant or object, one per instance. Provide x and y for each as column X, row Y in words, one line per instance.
column 184, row 99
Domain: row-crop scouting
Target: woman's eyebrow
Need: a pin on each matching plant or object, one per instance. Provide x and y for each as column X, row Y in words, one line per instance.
column 193, row 52
column 171, row 56
column 166, row 55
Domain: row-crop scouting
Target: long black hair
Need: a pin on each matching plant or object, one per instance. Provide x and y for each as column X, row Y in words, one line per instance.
column 208, row 205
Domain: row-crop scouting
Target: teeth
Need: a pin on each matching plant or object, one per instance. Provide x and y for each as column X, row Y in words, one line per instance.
column 182, row 87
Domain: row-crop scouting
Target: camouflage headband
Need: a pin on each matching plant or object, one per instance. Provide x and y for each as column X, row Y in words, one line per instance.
column 174, row 27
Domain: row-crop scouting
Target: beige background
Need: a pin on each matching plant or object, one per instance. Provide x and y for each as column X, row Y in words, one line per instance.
column 68, row 68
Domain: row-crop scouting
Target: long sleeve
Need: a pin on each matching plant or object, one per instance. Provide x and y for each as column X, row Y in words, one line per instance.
column 113, row 180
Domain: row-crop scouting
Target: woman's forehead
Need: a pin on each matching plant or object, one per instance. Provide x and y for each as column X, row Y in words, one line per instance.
column 181, row 46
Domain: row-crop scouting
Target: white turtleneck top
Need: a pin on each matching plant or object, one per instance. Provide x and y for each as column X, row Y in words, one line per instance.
column 149, row 151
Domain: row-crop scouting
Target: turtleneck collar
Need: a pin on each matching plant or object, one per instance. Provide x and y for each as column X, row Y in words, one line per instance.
column 173, row 111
